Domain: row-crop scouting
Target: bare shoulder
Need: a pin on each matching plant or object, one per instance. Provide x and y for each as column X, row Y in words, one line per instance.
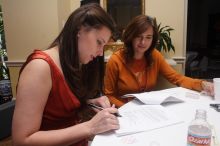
column 35, row 77
column 54, row 55
column 37, row 67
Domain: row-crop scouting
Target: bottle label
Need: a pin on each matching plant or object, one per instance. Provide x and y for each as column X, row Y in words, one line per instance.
column 196, row 140
column 5, row 88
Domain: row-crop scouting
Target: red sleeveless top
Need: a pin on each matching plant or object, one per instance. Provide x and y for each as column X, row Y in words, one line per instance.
column 62, row 105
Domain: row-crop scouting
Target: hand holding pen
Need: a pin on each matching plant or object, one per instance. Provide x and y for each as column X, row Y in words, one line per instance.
column 103, row 121
column 101, row 100
column 100, row 103
column 101, row 108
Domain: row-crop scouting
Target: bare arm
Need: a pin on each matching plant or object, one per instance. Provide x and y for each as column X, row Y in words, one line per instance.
column 32, row 94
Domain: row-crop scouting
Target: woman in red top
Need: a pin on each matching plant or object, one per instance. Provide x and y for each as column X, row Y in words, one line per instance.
column 55, row 83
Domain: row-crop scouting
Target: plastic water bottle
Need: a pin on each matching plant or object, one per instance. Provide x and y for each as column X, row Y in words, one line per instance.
column 199, row 131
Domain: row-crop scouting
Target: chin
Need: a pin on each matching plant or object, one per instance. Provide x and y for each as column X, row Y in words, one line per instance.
column 87, row 61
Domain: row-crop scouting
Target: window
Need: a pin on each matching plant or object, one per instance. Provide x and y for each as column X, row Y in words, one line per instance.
column 123, row 11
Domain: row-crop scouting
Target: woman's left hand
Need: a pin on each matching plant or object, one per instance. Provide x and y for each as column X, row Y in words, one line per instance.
column 208, row 88
column 102, row 101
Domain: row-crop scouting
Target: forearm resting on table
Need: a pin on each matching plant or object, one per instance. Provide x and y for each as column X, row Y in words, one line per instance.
column 62, row 137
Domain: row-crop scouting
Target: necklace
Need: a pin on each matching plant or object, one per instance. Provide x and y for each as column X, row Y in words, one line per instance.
column 138, row 68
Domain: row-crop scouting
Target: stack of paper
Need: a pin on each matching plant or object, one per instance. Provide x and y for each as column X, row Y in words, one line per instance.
column 156, row 97
column 145, row 117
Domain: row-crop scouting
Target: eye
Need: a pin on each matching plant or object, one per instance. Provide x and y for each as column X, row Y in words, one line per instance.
column 139, row 37
column 149, row 37
column 99, row 42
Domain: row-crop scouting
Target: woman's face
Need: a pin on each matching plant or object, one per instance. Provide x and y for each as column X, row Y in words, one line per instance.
column 142, row 42
column 91, row 42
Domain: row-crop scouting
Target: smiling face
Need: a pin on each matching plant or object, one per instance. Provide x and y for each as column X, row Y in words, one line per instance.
column 142, row 42
column 91, row 42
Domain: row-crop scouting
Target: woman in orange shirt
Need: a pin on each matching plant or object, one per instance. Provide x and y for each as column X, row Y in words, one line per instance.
column 135, row 68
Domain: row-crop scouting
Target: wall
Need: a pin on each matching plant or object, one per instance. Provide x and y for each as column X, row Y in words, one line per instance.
column 172, row 13
column 74, row 4
column 63, row 11
column 31, row 24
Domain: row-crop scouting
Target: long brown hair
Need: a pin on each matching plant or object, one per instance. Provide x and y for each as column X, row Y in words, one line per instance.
column 86, row 80
column 137, row 26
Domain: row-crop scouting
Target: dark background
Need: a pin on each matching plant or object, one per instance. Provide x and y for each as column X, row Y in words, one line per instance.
column 203, row 39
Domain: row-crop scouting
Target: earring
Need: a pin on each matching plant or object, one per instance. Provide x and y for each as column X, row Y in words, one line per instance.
column 78, row 35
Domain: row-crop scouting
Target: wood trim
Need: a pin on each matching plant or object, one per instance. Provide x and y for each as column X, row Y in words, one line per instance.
column 14, row 63
column 105, row 5
column 143, row 6
column 179, row 59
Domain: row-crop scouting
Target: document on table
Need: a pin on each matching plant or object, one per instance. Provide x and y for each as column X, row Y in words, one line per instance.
column 156, row 97
column 144, row 118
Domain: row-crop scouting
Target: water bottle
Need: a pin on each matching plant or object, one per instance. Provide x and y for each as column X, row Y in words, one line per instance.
column 199, row 131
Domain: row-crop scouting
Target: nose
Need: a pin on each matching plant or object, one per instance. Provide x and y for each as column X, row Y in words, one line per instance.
column 143, row 40
column 100, row 52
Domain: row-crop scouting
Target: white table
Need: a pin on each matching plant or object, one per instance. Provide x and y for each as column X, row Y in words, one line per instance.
column 175, row 135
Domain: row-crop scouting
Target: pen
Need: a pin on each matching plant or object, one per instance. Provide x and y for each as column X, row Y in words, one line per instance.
column 101, row 108
column 216, row 107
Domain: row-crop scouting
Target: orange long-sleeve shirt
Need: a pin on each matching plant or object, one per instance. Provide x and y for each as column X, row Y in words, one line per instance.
column 120, row 80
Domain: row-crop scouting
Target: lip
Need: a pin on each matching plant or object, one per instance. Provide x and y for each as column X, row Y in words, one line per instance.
column 91, row 57
column 141, row 47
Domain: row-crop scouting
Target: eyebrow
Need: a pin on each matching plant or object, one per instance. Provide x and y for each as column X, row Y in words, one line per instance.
column 146, row 35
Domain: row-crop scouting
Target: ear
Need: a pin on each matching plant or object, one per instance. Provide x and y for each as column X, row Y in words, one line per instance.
column 78, row 34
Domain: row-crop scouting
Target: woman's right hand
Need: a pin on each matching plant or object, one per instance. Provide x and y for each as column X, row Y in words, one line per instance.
column 208, row 88
column 104, row 121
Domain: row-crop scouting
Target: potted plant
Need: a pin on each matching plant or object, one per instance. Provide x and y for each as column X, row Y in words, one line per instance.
column 2, row 37
column 164, row 41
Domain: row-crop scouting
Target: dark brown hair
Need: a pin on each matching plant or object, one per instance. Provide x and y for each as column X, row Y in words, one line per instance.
column 86, row 80
column 137, row 26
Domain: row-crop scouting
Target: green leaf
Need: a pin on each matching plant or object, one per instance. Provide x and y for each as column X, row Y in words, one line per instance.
column 164, row 40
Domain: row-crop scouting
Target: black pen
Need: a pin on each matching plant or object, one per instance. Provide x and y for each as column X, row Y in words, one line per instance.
column 101, row 108
column 216, row 107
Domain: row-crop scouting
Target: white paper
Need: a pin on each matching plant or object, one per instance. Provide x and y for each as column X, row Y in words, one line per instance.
column 156, row 97
column 145, row 118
